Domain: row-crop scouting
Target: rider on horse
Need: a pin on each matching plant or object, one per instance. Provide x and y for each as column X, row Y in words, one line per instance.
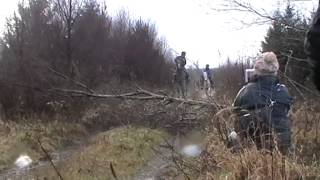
column 181, row 76
column 181, row 61
column 206, row 78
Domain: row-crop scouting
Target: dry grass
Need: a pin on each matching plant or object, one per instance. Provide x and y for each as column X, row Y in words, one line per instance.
column 306, row 118
column 219, row 162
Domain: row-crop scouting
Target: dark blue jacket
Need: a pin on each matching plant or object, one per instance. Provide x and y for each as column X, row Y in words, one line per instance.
column 267, row 91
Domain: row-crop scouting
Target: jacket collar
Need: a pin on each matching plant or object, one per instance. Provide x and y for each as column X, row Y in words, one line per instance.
column 266, row 79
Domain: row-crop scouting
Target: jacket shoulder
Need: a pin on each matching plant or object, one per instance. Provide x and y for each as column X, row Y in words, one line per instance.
column 244, row 94
column 282, row 95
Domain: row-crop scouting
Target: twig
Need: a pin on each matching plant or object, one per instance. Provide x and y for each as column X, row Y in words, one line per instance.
column 294, row 58
column 50, row 159
column 289, row 57
column 284, row 168
column 295, row 86
column 70, row 79
column 300, row 85
column 113, row 171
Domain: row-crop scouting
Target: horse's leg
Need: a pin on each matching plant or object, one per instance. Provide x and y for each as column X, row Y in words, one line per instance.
column 206, row 88
column 209, row 88
column 186, row 81
column 180, row 84
column 177, row 89
column 184, row 88
column 181, row 91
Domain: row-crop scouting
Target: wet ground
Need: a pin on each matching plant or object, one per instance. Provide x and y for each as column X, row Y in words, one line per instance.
column 161, row 167
column 27, row 173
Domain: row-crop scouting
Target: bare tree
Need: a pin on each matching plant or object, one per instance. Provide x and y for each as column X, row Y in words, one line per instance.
column 81, row 46
column 69, row 11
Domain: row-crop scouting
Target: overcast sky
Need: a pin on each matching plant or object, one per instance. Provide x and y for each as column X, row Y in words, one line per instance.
column 208, row 36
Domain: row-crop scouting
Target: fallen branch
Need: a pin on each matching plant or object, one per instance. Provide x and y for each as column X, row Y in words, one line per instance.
column 49, row 158
column 140, row 94
column 65, row 77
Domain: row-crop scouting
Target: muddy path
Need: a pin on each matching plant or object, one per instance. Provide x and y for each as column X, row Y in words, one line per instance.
column 162, row 166
column 158, row 167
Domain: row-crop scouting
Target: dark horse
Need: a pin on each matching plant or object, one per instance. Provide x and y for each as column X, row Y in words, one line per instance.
column 180, row 80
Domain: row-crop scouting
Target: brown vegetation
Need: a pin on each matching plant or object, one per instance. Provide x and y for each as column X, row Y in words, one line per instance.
column 221, row 162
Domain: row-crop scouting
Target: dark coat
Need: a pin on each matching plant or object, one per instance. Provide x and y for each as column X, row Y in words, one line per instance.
column 180, row 61
column 312, row 47
column 266, row 91
column 260, row 91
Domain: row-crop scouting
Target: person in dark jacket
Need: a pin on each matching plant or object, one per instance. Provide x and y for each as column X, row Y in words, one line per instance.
column 266, row 98
column 181, row 60
column 312, row 47
column 181, row 76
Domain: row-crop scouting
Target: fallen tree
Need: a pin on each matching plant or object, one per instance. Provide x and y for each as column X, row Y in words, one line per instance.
column 141, row 94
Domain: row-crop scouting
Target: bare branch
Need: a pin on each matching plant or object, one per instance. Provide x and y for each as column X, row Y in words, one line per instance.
column 240, row 6
column 294, row 58
column 50, row 159
column 140, row 94
column 70, row 79
column 298, row 85
column 62, row 10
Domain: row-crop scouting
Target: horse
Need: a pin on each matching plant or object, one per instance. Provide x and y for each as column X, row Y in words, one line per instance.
column 181, row 78
column 206, row 84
